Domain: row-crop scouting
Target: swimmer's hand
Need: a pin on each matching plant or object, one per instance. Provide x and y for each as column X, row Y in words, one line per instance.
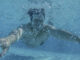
column 4, row 45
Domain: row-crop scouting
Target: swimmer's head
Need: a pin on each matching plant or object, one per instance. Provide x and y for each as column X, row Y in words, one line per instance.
column 37, row 16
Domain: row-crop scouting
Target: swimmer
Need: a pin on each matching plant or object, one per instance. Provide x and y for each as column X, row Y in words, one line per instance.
column 35, row 33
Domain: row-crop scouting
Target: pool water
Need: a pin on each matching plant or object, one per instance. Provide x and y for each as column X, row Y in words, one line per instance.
column 63, row 14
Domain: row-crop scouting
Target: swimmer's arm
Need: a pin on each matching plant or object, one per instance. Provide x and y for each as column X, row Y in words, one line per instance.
column 63, row 35
column 15, row 35
column 6, row 42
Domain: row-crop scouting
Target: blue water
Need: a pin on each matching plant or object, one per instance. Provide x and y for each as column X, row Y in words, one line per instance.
column 64, row 14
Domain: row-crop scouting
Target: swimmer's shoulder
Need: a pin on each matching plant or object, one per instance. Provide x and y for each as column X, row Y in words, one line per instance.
column 25, row 26
column 47, row 26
